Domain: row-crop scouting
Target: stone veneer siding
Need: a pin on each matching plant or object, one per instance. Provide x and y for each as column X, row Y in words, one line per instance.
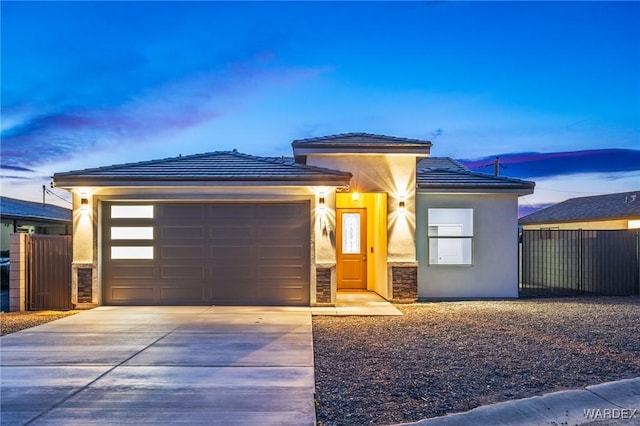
column 405, row 283
column 323, row 285
column 85, row 284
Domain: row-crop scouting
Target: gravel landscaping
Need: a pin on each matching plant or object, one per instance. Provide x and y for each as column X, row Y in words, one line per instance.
column 449, row 357
column 10, row 322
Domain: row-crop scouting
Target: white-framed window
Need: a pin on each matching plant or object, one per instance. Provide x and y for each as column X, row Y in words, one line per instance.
column 450, row 236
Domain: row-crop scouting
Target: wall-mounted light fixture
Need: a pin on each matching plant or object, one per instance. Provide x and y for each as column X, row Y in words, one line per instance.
column 321, row 201
column 355, row 196
column 401, row 201
column 84, row 203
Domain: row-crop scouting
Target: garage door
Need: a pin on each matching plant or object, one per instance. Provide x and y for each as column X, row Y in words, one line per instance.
column 201, row 254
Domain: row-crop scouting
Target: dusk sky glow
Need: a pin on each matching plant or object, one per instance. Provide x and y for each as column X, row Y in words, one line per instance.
column 553, row 88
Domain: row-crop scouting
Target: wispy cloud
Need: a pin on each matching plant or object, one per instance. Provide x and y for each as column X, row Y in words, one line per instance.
column 563, row 175
column 531, row 165
column 67, row 131
column 15, row 168
column 13, row 177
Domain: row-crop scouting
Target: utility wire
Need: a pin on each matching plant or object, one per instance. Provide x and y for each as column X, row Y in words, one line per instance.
column 568, row 192
column 56, row 195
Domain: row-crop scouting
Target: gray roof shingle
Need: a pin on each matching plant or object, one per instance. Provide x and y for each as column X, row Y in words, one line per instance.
column 454, row 179
column 357, row 143
column 440, row 163
column 360, row 140
column 435, row 174
column 220, row 166
column 622, row 205
column 12, row 208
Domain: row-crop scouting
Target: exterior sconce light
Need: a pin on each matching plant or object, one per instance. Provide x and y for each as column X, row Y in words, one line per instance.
column 401, row 201
column 321, row 201
column 84, row 203
column 355, row 196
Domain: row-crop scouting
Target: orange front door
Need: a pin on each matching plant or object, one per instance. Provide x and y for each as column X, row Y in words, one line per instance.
column 352, row 249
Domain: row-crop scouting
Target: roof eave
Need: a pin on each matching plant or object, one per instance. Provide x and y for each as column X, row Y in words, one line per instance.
column 34, row 218
column 80, row 181
column 460, row 189
column 401, row 149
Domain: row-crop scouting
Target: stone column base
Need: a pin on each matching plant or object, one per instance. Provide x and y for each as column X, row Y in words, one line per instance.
column 84, row 286
column 404, row 281
column 325, row 285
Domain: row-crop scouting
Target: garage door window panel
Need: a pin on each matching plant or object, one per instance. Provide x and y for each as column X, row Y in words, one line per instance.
column 132, row 212
column 131, row 252
column 132, row 232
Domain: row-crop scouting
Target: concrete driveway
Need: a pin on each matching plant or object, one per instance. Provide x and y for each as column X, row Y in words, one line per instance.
column 162, row 365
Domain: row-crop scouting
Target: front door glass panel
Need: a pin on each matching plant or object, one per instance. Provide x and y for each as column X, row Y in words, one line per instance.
column 351, row 233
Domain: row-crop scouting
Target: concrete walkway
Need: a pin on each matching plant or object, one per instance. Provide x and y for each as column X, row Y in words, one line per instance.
column 358, row 303
column 613, row 403
column 161, row 365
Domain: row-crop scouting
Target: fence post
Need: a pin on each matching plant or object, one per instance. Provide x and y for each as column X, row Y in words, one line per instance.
column 17, row 272
column 580, row 261
column 520, row 237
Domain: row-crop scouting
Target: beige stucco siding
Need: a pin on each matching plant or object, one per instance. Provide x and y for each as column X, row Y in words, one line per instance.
column 84, row 227
column 494, row 272
column 394, row 175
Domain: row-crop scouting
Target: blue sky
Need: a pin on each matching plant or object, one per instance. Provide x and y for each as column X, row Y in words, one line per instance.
column 89, row 84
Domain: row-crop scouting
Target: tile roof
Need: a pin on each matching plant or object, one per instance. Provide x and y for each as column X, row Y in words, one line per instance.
column 219, row 166
column 458, row 180
column 360, row 140
column 21, row 209
column 440, row 163
column 359, row 143
column 623, row 205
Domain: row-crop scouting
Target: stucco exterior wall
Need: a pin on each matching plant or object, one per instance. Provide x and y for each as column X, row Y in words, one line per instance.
column 394, row 174
column 494, row 272
column 84, row 228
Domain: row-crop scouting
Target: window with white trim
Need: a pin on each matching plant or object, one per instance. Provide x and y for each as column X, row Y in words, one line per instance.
column 450, row 236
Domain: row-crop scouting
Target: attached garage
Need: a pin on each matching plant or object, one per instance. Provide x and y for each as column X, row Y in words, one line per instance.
column 219, row 228
column 206, row 253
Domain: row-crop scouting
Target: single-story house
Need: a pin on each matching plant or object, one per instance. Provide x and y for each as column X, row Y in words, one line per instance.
column 31, row 218
column 609, row 211
column 351, row 211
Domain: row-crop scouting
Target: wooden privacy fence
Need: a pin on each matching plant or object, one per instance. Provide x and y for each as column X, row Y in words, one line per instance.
column 48, row 267
column 580, row 262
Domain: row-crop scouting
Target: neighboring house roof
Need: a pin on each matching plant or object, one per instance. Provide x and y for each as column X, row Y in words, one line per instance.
column 11, row 208
column 623, row 205
column 360, row 142
column 443, row 174
column 221, row 167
